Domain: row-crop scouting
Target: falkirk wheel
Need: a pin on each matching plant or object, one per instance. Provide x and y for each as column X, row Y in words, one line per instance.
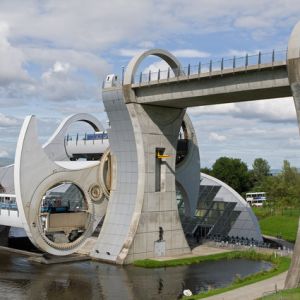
column 42, row 174
column 131, row 188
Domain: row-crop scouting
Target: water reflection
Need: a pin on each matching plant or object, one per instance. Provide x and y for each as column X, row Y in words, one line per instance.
column 20, row 279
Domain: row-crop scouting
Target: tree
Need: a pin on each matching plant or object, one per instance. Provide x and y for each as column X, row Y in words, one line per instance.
column 206, row 170
column 232, row 171
column 261, row 168
column 283, row 190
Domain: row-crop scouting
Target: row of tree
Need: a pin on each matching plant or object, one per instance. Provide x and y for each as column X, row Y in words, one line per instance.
column 283, row 189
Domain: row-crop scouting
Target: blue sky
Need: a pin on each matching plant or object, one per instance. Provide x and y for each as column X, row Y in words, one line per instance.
column 55, row 54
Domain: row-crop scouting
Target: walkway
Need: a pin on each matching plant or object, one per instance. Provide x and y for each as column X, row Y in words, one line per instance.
column 253, row 291
column 201, row 250
column 282, row 242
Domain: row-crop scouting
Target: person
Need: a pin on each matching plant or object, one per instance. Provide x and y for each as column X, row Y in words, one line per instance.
column 161, row 234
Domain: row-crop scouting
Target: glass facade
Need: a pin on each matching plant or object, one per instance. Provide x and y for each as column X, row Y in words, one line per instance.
column 221, row 214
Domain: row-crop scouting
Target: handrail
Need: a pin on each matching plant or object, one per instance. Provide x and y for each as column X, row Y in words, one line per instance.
column 209, row 66
column 86, row 137
column 11, row 205
column 213, row 66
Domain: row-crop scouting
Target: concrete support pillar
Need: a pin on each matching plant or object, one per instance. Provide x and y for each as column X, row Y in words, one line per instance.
column 159, row 232
column 188, row 170
column 293, row 63
column 142, row 218
column 293, row 276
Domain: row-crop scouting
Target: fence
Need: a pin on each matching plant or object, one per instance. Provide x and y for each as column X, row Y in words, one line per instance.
column 211, row 66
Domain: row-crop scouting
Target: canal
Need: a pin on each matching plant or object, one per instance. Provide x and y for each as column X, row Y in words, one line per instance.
column 21, row 279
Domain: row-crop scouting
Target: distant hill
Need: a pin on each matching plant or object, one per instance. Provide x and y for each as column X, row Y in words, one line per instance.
column 277, row 171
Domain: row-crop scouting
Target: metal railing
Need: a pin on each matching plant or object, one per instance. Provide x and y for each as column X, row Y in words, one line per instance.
column 272, row 292
column 8, row 203
column 208, row 67
column 87, row 137
column 9, row 207
column 280, row 251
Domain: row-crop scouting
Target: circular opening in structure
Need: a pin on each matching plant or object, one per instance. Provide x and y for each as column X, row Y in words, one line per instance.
column 84, row 142
column 152, row 68
column 180, row 201
column 64, row 215
column 106, row 173
column 182, row 143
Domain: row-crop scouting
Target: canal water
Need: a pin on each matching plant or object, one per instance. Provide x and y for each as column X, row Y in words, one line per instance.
column 21, row 279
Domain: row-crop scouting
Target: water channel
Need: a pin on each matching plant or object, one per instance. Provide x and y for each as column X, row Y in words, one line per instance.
column 21, row 279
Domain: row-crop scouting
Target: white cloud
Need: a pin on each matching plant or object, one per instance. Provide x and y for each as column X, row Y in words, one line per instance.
column 159, row 66
column 190, row 53
column 146, row 44
column 12, row 59
column 246, row 139
column 219, row 109
column 59, row 83
column 251, row 22
column 294, row 142
column 240, row 53
column 213, row 136
column 130, row 52
column 83, row 60
column 101, row 26
column 7, row 121
column 92, row 26
column 58, row 67
column 180, row 53
column 3, row 154
column 271, row 110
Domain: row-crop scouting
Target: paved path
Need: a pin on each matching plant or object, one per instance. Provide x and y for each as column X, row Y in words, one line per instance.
column 253, row 291
column 280, row 241
column 202, row 250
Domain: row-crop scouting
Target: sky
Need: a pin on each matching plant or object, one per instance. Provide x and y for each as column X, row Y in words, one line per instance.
column 55, row 54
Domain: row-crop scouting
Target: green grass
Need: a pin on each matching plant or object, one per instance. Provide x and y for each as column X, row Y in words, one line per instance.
column 150, row 263
column 292, row 294
column 280, row 264
column 283, row 223
column 265, row 211
column 282, row 226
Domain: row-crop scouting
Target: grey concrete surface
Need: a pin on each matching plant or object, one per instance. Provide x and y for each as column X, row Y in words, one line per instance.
column 253, row 291
column 293, row 277
column 255, row 83
column 141, row 200
column 188, row 171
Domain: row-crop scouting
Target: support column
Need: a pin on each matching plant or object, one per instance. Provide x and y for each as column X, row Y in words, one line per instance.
column 142, row 218
column 293, row 276
column 293, row 63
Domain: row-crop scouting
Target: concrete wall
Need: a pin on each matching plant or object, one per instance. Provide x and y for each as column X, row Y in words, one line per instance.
column 137, row 208
column 293, row 277
column 10, row 218
column 252, row 84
